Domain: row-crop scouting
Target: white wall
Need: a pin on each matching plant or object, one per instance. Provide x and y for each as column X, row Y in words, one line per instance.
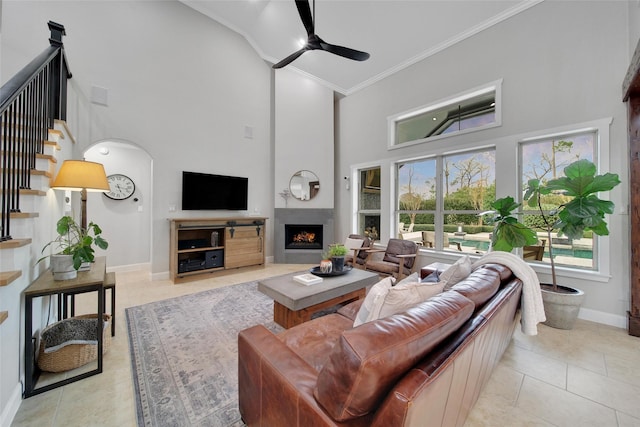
column 180, row 86
column 634, row 25
column 562, row 63
column 303, row 137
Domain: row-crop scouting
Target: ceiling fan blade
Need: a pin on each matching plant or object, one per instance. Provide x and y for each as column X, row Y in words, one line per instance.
column 305, row 15
column 289, row 59
column 344, row 51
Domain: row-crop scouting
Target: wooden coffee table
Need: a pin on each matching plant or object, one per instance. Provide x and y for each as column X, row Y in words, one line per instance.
column 295, row 303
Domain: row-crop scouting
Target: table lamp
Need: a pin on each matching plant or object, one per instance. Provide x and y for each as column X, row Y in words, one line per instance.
column 83, row 176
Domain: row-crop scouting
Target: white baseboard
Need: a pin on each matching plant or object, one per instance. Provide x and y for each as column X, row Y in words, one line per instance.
column 602, row 317
column 11, row 409
column 131, row 267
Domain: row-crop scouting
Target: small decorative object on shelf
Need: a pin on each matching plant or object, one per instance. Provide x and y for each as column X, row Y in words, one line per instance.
column 285, row 195
column 326, row 266
column 307, row 279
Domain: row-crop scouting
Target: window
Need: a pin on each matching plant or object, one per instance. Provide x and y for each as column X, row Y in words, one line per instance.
column 471, row 111
column 442, row 197
column 545, row 158
column 369, row 202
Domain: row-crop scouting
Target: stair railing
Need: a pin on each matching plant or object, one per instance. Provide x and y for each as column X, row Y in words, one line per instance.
column 29, row 103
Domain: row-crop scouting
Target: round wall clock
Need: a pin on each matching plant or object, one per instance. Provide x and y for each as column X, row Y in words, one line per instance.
column 122, row 187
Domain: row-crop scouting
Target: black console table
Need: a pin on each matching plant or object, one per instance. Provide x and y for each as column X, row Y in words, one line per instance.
column 87, row 281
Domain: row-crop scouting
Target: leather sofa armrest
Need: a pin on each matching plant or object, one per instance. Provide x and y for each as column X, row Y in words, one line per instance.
column 274, row 382
column 350, row 311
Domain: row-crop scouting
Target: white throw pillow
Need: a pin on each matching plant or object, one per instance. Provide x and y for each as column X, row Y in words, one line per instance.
column 402, row 297
column 458, row 271
column 412, row 278
column 372, row 301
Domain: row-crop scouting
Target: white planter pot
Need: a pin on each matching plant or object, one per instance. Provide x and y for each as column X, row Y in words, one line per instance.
column 62, row 267
column 561, row 308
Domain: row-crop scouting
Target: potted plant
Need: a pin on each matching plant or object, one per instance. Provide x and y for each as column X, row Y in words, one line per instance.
column 508, row 232
column 582, row 211
column 337, row 253
column 73, row 246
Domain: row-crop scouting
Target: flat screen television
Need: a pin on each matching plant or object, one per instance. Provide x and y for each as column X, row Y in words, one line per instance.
column 203, row 191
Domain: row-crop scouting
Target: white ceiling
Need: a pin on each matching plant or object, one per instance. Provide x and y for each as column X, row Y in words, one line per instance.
column 397, row 33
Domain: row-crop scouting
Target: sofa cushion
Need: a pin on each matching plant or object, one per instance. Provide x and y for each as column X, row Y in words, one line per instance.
column 350, row 311
column 457, row 272
column 412, row 278
column 367, row 360
column 388, row 300
column 313, row 340
column 401, row 297
column 432, row 277
column 377, row 291
column 480, row 286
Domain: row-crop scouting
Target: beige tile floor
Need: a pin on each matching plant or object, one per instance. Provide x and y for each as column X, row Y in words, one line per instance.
column 589, row 376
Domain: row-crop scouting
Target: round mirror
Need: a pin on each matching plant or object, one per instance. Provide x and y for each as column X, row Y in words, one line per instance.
column 304, row 185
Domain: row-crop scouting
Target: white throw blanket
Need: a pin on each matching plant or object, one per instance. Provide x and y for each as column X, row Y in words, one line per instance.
column 532, row 308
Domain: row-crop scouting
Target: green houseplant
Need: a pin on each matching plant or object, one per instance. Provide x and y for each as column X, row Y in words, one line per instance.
column 337, row 253
column 582, row 211
column 73, row 246
column 508, row 232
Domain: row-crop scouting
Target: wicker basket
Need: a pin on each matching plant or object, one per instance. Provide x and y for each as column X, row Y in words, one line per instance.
column 71, row 356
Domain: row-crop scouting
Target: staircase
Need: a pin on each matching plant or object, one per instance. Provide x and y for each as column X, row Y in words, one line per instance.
column 32, row 130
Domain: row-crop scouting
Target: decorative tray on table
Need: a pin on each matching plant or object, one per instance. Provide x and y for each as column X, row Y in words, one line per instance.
column 316, row 270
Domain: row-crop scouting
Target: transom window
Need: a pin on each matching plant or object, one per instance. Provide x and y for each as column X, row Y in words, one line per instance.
column 470, row 111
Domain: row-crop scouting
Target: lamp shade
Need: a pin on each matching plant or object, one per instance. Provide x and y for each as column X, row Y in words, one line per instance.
column 76, row 175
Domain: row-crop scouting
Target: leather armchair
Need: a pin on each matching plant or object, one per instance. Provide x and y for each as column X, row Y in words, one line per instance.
column 399, row 259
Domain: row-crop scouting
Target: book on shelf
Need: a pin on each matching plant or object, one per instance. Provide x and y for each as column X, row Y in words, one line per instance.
column 307, row 279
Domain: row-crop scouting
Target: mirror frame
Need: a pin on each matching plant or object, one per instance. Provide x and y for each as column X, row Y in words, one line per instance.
column 304, row 180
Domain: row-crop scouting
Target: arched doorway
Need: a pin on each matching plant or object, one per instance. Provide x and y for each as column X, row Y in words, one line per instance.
column 126, row 223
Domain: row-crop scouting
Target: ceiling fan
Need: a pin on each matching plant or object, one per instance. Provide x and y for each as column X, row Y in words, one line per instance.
column 316, row 43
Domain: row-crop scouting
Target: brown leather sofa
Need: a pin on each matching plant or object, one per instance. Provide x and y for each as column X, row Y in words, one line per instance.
column 423, row 367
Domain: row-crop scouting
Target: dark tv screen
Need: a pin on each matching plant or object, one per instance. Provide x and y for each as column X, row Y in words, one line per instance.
column 203, row 191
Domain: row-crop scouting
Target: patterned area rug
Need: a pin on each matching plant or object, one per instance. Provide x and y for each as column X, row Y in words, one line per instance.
column 185, row 355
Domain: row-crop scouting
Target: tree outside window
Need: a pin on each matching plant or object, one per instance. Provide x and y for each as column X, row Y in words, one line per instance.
column 443, row 196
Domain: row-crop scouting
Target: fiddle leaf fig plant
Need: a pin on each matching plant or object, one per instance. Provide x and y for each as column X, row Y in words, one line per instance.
column 75, row 241
column 508, row 232
column 583, row 212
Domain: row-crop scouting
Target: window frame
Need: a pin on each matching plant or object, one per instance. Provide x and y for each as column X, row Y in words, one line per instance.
column 495, row 85
column 353, row 184
column 507, row 184
column 601, row 244
column 439, row 213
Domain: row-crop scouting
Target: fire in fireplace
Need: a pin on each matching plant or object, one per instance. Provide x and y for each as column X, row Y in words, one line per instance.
column 303, row 236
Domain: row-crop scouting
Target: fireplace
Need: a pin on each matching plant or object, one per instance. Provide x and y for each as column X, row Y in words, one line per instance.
column 299, row 236
column 301, row 219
